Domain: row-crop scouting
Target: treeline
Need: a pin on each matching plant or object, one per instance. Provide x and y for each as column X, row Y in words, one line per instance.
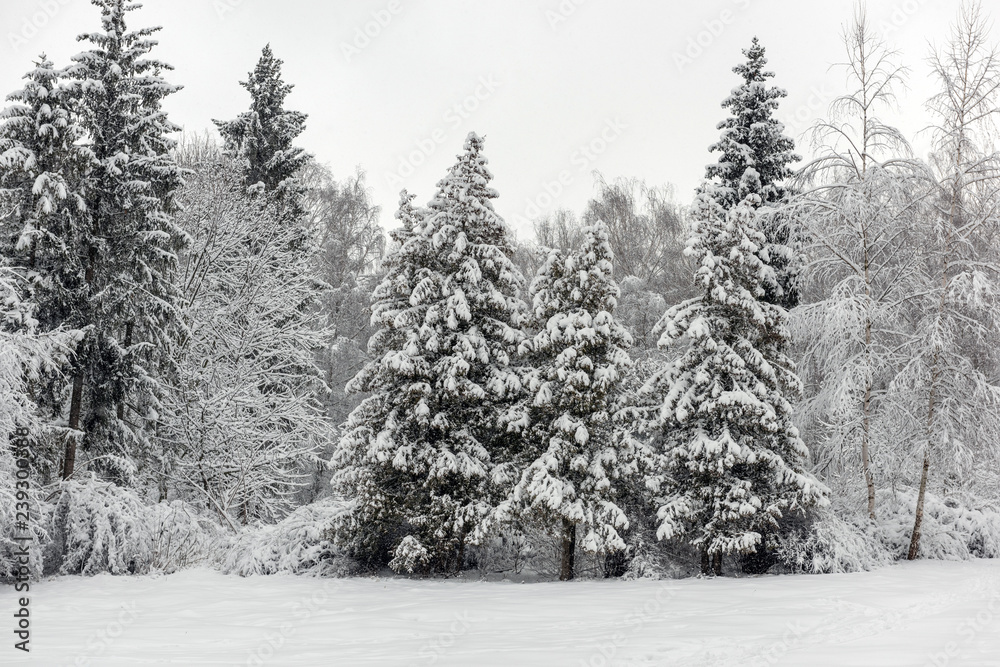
column 799, row 369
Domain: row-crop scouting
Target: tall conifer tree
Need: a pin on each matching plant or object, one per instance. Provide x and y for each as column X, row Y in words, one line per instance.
column 428, row 454
column 129, row 243
column 732, row 460
column 574, row 460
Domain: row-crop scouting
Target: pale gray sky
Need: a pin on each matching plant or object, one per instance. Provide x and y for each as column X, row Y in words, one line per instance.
column 558, row 87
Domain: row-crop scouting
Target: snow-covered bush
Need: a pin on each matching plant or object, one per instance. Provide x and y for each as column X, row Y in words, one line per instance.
column 410, row 556
column 302, row 543
column 952, row 528
column 182, row 537
column 830, row 544
column 96, row 527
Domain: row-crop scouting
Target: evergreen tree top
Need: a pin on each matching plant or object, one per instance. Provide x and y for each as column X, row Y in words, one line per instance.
column 264, row 135
column 753, row 69
column 41, row 144
column 117, row 44
column 266, row 87
column 578, row 280
column 755, row 153
column 125, row 90
column 34, row 110
column 464, row 196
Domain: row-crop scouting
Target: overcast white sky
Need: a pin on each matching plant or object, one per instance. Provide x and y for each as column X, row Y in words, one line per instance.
column 552, row 77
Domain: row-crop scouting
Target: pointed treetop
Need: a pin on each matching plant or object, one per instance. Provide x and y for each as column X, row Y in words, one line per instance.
column 468, row 180
column 265, row 85
column 752, row 139
column 264, row 136
column 753, row 68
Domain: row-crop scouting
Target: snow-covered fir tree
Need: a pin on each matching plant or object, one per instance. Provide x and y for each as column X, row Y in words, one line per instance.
column 573, row 458
column 263, row 137
column 428, row 455
column 242, row 422
column 755, row 158
column 44, row 168
column 128, row 245
column 731, row 459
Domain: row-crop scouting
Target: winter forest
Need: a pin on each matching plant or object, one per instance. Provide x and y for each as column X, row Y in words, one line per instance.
column 213, row 355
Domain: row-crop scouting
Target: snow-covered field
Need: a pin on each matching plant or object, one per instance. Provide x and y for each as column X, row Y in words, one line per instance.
column 925, row 613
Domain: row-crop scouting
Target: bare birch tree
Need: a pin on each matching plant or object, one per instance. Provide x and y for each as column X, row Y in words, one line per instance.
column 862, row 199
column 958, row 305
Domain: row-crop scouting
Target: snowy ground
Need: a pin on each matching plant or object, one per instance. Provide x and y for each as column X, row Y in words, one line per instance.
column 925, row 613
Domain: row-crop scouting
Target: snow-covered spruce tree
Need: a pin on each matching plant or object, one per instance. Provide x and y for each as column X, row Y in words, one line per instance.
column 957, row 308
column 755, row 158
column 43, row 173
column 128, row 247
column 262, row 138
column 429, row 454
column 242, row 421
column 573, row 458
column 862, row 208
column 731, row 459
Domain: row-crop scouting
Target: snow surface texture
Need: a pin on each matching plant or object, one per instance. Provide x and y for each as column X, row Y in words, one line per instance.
column 911, row 614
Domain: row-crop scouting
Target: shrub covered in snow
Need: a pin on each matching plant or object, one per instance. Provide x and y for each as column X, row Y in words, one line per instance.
column 410, row 556
column 181, row 537
column 831, row 544
column 98, row 527
column 954, row 528
column 302, row 543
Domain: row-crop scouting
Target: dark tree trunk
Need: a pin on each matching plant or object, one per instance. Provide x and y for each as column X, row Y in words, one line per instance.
column 706, row 568
column 75, row 406
column 127, row 345
column 568, row 550
column 460, row 556
column 717, row 564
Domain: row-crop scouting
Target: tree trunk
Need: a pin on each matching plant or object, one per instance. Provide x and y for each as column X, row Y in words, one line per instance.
column 717, row 564
column 706, row 567
column 460, row 557
column 568, row 550
column 866, row 434
column 915, row 538
column 75, row 405
column 128, row 343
